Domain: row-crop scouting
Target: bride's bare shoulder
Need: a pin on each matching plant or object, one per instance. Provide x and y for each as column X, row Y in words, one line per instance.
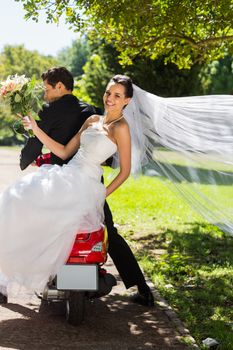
column 94, row 118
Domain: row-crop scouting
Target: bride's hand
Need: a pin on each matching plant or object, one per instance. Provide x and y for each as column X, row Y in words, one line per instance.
column 29, row 123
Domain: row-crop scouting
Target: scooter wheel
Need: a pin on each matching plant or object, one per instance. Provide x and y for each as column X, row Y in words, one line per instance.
column 75, row 308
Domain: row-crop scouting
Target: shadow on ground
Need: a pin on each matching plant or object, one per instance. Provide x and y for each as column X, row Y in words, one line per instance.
column 197, row 266
column 110, row 323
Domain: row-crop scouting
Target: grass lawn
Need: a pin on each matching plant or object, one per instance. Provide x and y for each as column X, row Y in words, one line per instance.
column 189, row 260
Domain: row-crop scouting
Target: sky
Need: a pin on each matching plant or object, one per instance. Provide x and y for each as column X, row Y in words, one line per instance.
column 48, row 39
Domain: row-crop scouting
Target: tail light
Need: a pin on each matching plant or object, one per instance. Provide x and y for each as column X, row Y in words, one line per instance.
column 89, row 247
column 82, row 237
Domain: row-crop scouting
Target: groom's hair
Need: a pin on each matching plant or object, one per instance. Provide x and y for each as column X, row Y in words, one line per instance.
column 59, row 74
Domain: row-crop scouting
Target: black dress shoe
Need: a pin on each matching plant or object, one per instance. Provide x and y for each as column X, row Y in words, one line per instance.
column 146, row 299
column 3, row 299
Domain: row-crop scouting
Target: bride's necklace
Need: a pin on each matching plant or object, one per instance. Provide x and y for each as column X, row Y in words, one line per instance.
column 107, row 124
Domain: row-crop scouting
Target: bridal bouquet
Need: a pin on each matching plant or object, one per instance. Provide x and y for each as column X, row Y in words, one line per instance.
column 24, row 96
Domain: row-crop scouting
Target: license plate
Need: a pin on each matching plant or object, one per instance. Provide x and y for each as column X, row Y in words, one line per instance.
column 78, row 277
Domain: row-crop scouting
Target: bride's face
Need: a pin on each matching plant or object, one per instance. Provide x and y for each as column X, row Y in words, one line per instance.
column 114, row 98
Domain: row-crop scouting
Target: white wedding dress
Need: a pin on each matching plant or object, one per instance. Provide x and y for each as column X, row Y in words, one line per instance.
column 41, row 213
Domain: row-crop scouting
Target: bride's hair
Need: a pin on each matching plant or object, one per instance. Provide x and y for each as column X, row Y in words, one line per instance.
column 126, row 82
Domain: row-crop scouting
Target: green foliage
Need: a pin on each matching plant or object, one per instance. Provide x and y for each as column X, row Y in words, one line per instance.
column 6, row 119
column 165, row 79
column 22, row 100
column 18, row 60
column 217, row 77
column 75, row 57
column 184, row 31
column 23, row 95
column 151, row 75
column 7, row 135
column 189, row 260
column 94, row 80
column 101, row 64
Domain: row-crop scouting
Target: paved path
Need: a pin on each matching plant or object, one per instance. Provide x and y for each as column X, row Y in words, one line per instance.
column 111, row 323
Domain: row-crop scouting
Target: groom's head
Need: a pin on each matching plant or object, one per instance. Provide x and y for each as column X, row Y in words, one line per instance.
column 58, row 81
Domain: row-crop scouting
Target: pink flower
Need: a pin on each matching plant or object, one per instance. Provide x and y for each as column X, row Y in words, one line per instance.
column 3, row 91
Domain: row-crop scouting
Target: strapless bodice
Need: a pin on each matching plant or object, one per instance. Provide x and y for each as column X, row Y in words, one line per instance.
column 95, row 148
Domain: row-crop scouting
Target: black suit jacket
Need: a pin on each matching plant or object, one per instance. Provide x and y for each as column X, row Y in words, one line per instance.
column 61, row 120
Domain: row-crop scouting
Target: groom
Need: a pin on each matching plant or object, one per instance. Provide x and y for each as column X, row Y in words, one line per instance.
column 61, row 118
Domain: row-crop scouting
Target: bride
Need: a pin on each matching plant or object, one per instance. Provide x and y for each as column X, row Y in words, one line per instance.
column 41, row 213
column 187, row 139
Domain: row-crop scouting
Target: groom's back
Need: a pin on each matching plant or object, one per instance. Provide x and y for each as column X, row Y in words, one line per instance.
column 61, row 120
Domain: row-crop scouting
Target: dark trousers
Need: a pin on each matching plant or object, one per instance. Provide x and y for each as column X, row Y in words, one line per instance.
column 121, row 254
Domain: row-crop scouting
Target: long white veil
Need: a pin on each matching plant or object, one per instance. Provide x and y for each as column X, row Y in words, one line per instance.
column 190, row 141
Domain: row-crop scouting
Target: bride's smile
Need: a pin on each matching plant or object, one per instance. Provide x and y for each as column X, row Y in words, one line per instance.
column 114, row 100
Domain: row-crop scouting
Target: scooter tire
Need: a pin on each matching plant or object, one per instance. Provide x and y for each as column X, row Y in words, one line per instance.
column 75, row 308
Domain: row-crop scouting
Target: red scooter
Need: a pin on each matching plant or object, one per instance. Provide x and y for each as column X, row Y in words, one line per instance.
column 82, row 277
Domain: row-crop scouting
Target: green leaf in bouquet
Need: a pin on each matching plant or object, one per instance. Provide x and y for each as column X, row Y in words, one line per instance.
column 30, row 133
column 24, row 88
column 35, row 115
column 17, row 98
column 16, row 108
column 29, row 90
column 27, row 96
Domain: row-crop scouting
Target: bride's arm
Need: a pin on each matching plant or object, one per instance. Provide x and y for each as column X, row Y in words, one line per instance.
column 122, row 136
column 62, row 151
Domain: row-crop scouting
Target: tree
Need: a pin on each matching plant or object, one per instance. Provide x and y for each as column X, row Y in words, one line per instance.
column 165, row 79
column 75, row 57
column 151, row 75
column 7, row 136
column 18, row 60
column 91, row 87
column 183, row 31
column 217, row 77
